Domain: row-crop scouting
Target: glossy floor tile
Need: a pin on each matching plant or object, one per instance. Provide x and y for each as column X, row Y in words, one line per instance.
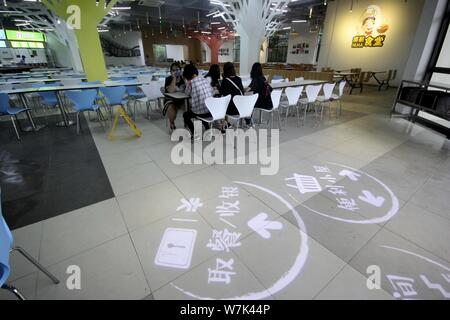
column 357, row 208
column 49, row 173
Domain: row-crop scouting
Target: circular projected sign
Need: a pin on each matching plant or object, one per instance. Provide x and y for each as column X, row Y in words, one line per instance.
column 242, row 226
column 342, row 193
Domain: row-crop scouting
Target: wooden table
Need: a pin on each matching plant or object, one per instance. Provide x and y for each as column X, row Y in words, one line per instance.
column 373, row 74
column 345, row 75
column 348, row 77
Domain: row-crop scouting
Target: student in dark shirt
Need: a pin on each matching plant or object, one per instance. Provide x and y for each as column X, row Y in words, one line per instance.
column 231, row 85
column 22, row 61
column 214, row 75
column 173, row 84
column 260, row 86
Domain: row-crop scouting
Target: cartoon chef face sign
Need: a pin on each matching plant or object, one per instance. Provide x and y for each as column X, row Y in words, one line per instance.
column 371, row 22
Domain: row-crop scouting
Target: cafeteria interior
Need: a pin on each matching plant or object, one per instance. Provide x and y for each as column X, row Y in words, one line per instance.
column 188, row 150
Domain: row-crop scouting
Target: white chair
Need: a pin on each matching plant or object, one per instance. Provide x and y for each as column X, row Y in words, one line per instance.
column 152, row 93
column 276, row 98
column 217, row 107
column 245, row 105
column 338, row 97
column 293, row 96
column 328, row 89
column 312, row 91
column 299, row 79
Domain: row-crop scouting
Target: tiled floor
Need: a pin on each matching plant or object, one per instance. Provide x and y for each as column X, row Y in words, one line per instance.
column 383, row 205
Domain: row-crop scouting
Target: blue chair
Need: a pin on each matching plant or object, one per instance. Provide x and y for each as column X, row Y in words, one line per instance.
column 84, row 100
column 6, row 109
column 134, row 94
column 114, row 96
column 6, row 248
column 99, row 97
column 49, row 98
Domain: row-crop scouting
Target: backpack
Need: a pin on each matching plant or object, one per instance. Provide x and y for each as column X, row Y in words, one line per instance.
column 267, row 91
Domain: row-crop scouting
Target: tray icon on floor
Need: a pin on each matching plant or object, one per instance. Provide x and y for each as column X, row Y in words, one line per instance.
column 176, row 248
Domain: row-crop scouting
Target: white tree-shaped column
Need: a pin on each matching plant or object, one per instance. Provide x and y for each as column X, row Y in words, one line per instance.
column 253, row 20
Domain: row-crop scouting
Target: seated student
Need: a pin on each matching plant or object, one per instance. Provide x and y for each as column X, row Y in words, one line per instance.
column 22, row 62
column 174, row 83
column 199, row 89
column 147, row 60
column 260, row 86
column 214, row 75
column 231, row 85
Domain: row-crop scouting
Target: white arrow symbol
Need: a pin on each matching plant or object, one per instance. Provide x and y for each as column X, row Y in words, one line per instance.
column 190, row 205
column 354, row 176
column 261, row 225
column 371, row 199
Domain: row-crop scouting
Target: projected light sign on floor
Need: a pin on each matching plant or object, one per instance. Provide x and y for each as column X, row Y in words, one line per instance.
column 332, row 190
column 178, row 245
column 427, row 279
column 346, row 194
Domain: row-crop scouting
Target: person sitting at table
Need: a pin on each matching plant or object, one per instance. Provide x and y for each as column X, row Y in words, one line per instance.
column 214, row 75
column 174, row 83
column 199, row 89
column 231, row 85
column 260, row 86
column 22, row 61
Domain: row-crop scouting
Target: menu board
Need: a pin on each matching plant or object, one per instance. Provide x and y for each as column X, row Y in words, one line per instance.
column 26, row 45
column 16, row 35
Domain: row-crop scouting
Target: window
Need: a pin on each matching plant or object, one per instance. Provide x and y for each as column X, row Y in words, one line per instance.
column 160, row 53
column 237, row 49
column 439, row 67
column 278, row 48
